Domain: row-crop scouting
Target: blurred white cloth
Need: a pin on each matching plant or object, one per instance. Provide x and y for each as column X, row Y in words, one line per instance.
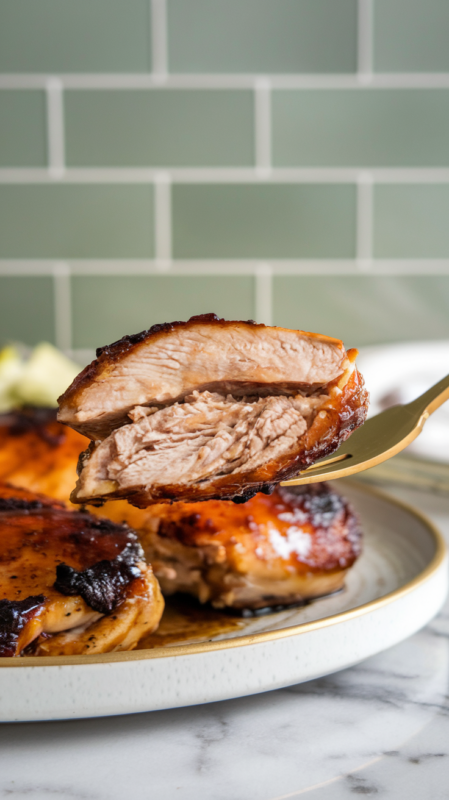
column 399, row 373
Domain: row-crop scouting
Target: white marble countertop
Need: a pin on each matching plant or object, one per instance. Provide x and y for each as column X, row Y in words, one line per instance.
column 378, row 729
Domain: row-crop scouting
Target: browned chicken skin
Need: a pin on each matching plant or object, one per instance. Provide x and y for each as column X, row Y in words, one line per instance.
column 210, row 409
column 292, row 546
column 38, row 453
column 70, row 583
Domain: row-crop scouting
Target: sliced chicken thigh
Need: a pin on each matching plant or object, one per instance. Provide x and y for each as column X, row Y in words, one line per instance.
column 210, row 409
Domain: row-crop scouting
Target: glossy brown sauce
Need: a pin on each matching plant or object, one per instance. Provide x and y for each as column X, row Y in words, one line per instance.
column 38, row 535
column 185, row 621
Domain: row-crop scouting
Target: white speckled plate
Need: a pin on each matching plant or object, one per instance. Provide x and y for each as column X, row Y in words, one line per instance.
column 396, row 587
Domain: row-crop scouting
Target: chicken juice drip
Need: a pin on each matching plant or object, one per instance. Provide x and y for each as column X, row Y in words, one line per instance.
column 186, row 621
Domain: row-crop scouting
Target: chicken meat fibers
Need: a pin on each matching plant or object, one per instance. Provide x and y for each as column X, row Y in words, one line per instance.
column 209, row 409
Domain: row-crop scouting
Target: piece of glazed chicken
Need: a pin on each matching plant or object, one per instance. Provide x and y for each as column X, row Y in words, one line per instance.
column 210, row 409
column 38, row 453
column 70, row 583
column 290, row 547
column 41, row 454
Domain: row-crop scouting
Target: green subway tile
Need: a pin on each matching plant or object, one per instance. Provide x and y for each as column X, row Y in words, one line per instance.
column 361, row 127
column 262, row 35
column 22, row 129
column 364, row 310
column 106, row 308
column 264, row 221
column 80, row 36
column 411, row 35
column 160, row 128
column 411, row 221
column 76, row 221
column 26, row 310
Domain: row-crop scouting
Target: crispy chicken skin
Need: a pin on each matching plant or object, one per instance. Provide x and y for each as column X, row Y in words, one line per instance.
column 70, row 583
column 295, row 545
column 210, row 409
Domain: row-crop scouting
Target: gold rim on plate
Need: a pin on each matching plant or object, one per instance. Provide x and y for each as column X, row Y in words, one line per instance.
column 265, row 636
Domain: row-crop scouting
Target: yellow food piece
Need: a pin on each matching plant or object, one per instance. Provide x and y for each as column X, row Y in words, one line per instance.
column 11, row 367
column 38, row 380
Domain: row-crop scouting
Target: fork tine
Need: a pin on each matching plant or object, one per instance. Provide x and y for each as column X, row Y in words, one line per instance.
column 380, row 438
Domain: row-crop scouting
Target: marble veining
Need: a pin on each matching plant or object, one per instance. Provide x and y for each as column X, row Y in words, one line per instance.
column 379, row 729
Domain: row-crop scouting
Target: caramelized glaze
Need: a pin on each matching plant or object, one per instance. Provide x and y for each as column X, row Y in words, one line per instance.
column 73, row 568
column 38, row 453
column 312, row 528
column 272, row 551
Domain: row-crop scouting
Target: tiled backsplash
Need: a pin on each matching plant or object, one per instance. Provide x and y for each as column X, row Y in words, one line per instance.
column 286, row 160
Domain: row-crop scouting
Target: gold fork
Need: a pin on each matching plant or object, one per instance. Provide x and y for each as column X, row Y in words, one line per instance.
column 380, row 438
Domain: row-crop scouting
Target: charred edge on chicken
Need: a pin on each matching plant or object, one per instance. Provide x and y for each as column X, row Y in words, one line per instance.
column 34, row 419
column 266, row 488
column 104, row 585
column 14, row 615
column 323, row 506
column 21, row 504
column 123, row 344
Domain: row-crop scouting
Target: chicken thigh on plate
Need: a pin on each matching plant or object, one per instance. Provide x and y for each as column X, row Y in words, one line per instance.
column 290, row 547
column 70, row 583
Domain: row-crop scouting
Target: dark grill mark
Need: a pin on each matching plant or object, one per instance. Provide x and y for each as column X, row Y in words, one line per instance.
column 19, row 504
column 41, row 421
column 14, row 615
column 102, row 586
column 321, row 503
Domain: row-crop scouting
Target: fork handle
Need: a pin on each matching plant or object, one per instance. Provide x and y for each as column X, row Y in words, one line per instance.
column 428, row 402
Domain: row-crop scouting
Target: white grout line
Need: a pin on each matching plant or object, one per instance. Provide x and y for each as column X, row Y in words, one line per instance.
column 159, row 40
column 398, row 267
column 63, row 306
column 26, row 268
column 55, row 128
column 162, row 220
column 20, row 81
column 380, row 80
column 262, row 126
column 264, row 294
column 410, row 175
column 365, row 41
column 364, row 232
